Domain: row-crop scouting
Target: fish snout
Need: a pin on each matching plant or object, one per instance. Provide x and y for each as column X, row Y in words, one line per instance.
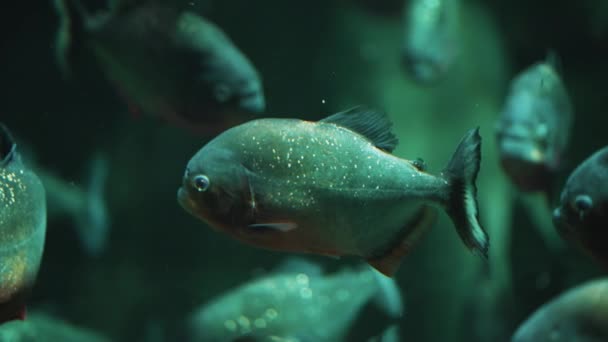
column 184, row 199
column 424, row 69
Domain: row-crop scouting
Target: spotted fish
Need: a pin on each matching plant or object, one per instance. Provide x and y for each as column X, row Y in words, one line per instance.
column 22, row 228
column 330, row 187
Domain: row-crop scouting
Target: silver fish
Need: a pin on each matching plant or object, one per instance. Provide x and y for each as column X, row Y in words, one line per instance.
column 534, row 127
column 578, row 315
column 582, row 214
column 294, row 304
column 431, row 40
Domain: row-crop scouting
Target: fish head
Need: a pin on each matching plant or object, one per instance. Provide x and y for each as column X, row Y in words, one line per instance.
column 234, row 82
column 526, row 145
column 582, row 214
column 213, row 187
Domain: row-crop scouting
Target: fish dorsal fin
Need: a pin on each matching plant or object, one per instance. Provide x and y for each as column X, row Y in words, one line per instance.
column 370, row 123
column 7, row 146
column 388, row 262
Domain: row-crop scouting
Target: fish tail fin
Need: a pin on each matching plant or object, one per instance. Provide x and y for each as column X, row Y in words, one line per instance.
column 390, row 334
column 92, row 223
column 461, row 206
column 72, row 18
column 388, row 297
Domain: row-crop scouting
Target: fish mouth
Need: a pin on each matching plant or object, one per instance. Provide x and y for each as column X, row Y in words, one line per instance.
column 423, row 69
column 184, row 200
column 253, row 101
column 526, row 151
column 562, row 224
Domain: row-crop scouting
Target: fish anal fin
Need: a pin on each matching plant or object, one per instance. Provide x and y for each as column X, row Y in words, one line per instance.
column 389, row 261
column 373, row 124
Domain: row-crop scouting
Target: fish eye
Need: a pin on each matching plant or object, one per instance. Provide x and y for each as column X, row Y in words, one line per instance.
column 582, row 205
column 583, row 202
column 200, row 183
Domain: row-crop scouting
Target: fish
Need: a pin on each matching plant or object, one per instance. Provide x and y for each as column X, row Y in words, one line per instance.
column 166, row 62
column 296, row 302
column 330, row 187
column 22, row 228
column 578, row 315
column 582, row 214
column 431, row 39
column 534, row 127
column 44, row 327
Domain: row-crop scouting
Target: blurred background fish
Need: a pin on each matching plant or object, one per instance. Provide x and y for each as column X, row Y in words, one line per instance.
column 296, row 302
column 431, row 40
column 22, row 229
column 577, row 315
column 164, row 60
column 582, row 214
column 534, row 127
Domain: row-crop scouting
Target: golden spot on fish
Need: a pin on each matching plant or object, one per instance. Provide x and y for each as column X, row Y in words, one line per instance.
column 9, row 183
column 244, row 323
column 536, row 155
column 306, row 293
column 230, row 325
column 271, row 313
column 260, row 323
column 12, row 275
column 302, row 279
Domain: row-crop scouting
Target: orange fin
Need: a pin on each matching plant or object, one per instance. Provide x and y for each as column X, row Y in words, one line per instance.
column 389, row 262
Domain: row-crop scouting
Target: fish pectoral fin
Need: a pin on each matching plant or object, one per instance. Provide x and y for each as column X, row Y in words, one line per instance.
column 279, row 227
column 388, row 262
